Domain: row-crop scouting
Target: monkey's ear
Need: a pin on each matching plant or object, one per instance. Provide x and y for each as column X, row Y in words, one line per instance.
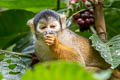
column 31, row 24
column 63, row 21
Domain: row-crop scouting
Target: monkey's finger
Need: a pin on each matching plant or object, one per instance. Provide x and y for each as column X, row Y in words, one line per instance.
column 48, row 44
column 51, row 39
column 49, row 36
column 48, row 41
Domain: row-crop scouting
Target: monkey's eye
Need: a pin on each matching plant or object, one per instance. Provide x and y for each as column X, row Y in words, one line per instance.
column 52, row 26
column 43, row 27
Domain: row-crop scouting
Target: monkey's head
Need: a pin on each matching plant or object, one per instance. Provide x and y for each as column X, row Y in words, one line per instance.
column 47, row 21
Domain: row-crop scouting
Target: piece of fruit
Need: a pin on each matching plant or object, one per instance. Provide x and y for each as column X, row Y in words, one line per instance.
column 87, row 12
column 91, row 20
column 87, row 21
column 80, row 21
column 91, row 11
column 84, row 16
column 91, row 16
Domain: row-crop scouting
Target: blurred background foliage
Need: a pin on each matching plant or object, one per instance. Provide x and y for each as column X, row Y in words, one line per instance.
column 15, row 35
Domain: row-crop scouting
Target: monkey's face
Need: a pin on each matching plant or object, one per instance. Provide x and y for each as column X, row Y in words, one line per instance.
column 51, row 24
column 47, row 22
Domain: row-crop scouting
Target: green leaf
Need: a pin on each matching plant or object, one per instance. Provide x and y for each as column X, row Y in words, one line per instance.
column 8, row 61
column 13, row 73
column 58, row 71
column 31, row 5
column 112, row 18
column 104, row 74
column 13, row 26
column 14, row 64
column 25, row 44
column 2, row 56
column 112, row 3
column 116, row 4
column 1, row 76
column 110, row 51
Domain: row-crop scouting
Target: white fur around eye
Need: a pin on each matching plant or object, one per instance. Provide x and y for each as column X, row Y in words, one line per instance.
column 39, row 29
column 57, row 26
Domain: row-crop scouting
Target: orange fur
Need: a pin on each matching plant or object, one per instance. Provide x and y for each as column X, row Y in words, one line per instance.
column 61, row 51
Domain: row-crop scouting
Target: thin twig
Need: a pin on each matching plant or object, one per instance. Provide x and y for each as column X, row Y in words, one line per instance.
column 58, row 4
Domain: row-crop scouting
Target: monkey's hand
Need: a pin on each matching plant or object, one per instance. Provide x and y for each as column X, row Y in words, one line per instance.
column 51, row 40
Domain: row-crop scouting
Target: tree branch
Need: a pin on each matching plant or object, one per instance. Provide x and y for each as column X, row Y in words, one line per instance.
column 100, row 21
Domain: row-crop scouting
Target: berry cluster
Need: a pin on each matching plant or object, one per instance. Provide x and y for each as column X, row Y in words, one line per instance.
column 85, row 18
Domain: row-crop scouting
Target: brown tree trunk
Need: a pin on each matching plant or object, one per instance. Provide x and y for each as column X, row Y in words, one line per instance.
column 100, row 21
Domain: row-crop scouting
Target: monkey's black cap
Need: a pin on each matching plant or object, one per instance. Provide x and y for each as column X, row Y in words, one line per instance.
column 44, row 14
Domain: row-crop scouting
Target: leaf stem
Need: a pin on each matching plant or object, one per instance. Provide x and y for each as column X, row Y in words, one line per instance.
column 93, row 30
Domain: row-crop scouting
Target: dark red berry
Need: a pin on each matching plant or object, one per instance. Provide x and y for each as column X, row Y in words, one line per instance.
column 80, row 21
column 91, row 10
column 87, row 12
column 84, row 16
column 87, row 3
column 87, row 21
column 91, row 16
column 76, row 16
column 91, row 20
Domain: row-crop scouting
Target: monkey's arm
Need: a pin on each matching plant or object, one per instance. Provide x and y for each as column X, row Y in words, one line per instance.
column 61, row 51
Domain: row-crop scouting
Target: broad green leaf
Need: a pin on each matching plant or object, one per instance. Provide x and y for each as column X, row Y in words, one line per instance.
column 13, row 65
column 112, row 3
column 116, row 4
column 58, row 71
column 108, row 2
column 13, row 26
column 31, row 5
column 110, row 51
column 112, row 18
column 25, row 44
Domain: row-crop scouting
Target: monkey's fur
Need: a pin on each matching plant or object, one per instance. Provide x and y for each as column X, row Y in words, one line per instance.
column 65, row 45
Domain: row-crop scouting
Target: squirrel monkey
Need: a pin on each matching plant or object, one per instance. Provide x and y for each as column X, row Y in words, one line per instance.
column 55, row 41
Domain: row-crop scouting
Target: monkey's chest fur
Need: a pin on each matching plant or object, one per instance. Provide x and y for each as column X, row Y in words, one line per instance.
column 74, row 41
